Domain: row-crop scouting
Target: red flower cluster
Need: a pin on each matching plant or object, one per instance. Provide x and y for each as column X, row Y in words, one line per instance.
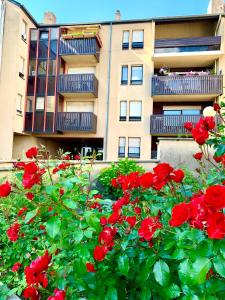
column 77, row 157
column 16, row 267
column 58, row 295
column 198, row 155
column 62, row 166
column 201, row 130
column 216, row 107
column 13, row 232
column 36, row 275
column 5, row 189
column 32, row 175
column 163, row 173
column 149, row 227
column 203, row 212
column 32, row 152
column 106, row 241
column 97, row 206
column 90, row 267
column 22, row 211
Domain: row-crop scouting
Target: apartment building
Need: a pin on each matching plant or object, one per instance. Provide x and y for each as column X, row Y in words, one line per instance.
column 110, row 87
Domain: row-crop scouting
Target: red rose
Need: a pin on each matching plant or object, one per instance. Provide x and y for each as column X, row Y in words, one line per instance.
column 198, row 155
column 216, row 107
column 13, row 232
column 114, row 218
column 215, row 196
column 31, row 292
column 200, row 135
column 137, row 210
column 163, row 169
column 148, row 228
column 59, row 295
column 103, row 221
column 131, row 221
column 61, row 192
column 209, row 123
column 30, row 196
column 16, row 267
column 32, row 152
column 22, row 211
column 146, row 180
column 98, row 196
column 188, row 126
column 77, row 157
column 90, row 267
column 106, row 236
column 177, row 176
column 5, row 189
column 218, row 159
column 100, row 252
column 216, row 226
column 180, row 214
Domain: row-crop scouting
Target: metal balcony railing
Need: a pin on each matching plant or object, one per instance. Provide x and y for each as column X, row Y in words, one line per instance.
column 76, row 121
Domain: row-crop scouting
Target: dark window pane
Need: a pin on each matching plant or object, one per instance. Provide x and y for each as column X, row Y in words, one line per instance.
column 53, row 49
column 52, row 67
column 30, row 86
column 41, row 85
column 33, row 49
column 43, row 49
column 51, row 85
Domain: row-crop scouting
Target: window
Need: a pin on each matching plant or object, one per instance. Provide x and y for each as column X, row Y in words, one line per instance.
column 19, row 103
column 40, row 103
column 191, row 112
column 42, row 67
column 50, row 106
column 135, row 111
column 136, row 75
column 125, row 44
column 32, row 67
column 44, row 35
column 134, row 147
column 24, row 31
column 138, row 39
column 122, row 145
column 22, row 65
column 124, row 75
column 123, row 110
column 29, row 107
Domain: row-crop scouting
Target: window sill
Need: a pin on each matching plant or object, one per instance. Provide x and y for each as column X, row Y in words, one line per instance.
column 136, row 83
column 121, row 155
column 19, row 113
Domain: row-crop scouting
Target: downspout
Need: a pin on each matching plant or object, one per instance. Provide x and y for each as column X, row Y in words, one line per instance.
column 2, row 20
column 108, row 96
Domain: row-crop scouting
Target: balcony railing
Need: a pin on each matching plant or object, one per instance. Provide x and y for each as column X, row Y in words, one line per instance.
column 76, row 121
column 193, row 44
column 186, row 85
column 79, row 46
column 78, row 83
column 39, row 118
column 160, row 124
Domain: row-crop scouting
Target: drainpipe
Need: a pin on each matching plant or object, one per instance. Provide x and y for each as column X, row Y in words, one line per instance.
column 2, row 20
column 105, row 149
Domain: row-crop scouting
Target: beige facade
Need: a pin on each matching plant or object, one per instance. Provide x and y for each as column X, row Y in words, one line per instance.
column 125, row 106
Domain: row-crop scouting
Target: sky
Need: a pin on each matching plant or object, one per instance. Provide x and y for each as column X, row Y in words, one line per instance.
column 74, row 11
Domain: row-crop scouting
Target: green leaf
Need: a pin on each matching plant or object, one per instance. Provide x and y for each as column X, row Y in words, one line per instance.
column 70, row 203
column 173, row 291
column 146, row 293
column 78, row 235
column 184, row 271
column 30, row 215
column 53, row 227
column 199, row 270
column 161, row 272
column 111, row 294
column 145, row 269
column 123, row 265
column 219, row 265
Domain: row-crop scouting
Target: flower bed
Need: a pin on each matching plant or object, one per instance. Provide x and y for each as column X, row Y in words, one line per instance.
column 152, row 237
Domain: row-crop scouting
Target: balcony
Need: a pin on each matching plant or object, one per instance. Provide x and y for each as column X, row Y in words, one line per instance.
column 78, row 85
column 195, row 51
column 205, row 87
column 40, row 118
column 171, row 125
column 80, row 49
column 76, row 121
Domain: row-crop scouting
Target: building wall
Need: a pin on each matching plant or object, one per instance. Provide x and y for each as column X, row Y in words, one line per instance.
column 129, row 92
column 10, row 83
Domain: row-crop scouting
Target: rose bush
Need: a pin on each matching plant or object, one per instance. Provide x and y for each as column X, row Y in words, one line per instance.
column 160, row 239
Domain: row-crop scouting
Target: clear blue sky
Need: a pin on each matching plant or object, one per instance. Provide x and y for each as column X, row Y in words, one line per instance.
column 103, row 10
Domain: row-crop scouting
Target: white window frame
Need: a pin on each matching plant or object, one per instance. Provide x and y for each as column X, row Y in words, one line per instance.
column 24, row 30
column 136, row 148
column 136, row 81
column 22, row 67
column 135, row 116
column 122, row 145
column 42, row 107
column 138, row 38
column 123, row 110
column 19, row 103
column 126, row 39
